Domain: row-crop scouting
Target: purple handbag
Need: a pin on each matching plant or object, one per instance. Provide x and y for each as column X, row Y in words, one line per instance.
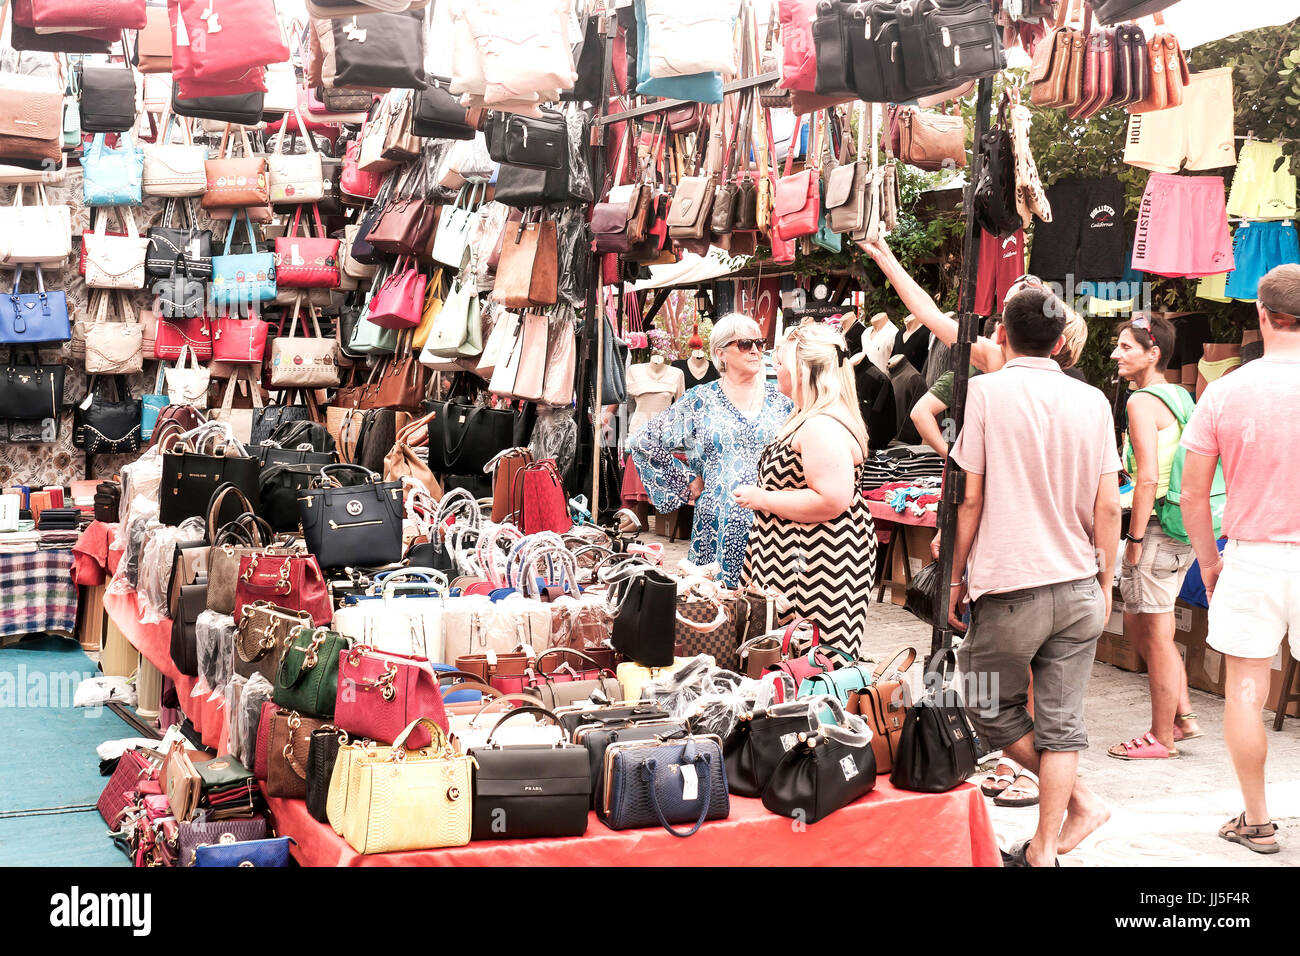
column 193, row 834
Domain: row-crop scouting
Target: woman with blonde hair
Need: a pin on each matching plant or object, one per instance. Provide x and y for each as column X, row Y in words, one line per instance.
column 813, row 539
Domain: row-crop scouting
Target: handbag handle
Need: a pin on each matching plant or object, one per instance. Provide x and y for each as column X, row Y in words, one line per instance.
column 528, row 700
column 530, row 710
column 468, row 682
column 327, row 470
column 438, row 739
column 568, row 650
column 234, row 225
column 789, row 633
column 706, row 789
column 218, row 497
column 886, row 667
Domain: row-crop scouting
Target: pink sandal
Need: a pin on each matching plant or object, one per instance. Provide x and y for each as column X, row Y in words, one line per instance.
column 1145, row 747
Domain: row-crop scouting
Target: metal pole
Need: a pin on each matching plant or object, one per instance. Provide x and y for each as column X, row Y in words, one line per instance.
column 954, row 485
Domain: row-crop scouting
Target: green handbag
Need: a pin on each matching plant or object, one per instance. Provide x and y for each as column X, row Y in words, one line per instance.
column 307, row 679
column 368, row 338
column 825, row 237
column 223, row 771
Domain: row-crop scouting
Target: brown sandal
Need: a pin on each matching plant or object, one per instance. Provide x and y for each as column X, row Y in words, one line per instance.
column 1238, row 831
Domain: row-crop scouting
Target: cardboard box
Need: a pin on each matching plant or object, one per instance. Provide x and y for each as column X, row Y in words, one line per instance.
column 1114, row 647
column 1275, row 687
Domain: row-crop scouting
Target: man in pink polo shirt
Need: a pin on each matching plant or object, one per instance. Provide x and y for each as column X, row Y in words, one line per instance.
column 1251, row 420
column 1037, row 533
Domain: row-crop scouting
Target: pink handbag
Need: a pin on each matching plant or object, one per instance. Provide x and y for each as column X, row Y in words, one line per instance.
column 561, row 359
column 530, row 373
column 796, row 202
column 381, row 693
column 399, row 302
column 242, row 341
column 805, row 666
column 543, row 504
column 798, row 56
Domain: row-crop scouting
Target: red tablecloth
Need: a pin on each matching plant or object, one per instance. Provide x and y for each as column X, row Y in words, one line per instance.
column 209, row 717
column 887, row 827
column 882, row 512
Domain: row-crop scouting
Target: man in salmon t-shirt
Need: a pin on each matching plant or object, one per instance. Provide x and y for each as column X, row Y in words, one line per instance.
column 1251, row 420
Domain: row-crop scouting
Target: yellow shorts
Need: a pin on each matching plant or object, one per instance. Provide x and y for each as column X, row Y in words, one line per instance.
column 1262, row 187
column 1198, row 131
column 1213, row 288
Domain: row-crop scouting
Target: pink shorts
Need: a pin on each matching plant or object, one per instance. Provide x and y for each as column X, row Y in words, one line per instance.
column 1182, row 227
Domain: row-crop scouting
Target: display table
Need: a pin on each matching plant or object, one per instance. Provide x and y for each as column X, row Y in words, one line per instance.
column 37, row 594
column 209, row 717
column 908, row 535
column 887, row 827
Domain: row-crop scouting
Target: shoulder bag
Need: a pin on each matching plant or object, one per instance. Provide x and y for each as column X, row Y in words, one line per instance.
column 108, row 98
column 243, row 280
column 112, row 177
column 175, row 169
column 166, row 242
column 304, row 361
column 398, row 302
column 39, row 234
column 796, row 200
column 31, row 392
column 186, row 386
column 247, row 35
column 113, row 348
column 437, row 113
column 115, row 262
column 235, row 181
column 381, row 50
column 174, row 334
column 930, row 141
column 937, row 749
column 27, row 318
column 104, row 427
column 306, row 262
column 240, row 341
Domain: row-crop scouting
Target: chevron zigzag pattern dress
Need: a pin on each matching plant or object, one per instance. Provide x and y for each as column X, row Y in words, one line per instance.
column 825, row 569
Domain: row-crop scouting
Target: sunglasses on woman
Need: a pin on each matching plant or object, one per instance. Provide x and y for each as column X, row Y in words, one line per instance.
column 747, row 345
column 1143, row 322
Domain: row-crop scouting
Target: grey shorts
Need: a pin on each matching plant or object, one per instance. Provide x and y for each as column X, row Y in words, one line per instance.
column 1151, row 586
column 1051, row 630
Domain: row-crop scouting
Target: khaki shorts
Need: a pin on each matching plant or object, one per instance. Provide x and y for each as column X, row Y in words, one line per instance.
column 1198, row 131
column 1151, row 586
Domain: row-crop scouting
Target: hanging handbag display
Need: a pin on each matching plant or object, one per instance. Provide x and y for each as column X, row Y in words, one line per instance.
column 243, row 280
column 648, row 782
column 239, row 341
column 107, row 427
column 295, row 178
column 235, row 181
column 40, row 234
column 380, row 50
column 400, row 386
column 112, row 177
column 530, row 142
column 381, row 693
column 467, row 437
column 796, row 200
column 221, row 40
column 28, row 318
column 108, row 98
column 357, row 186
column 306, row 262
column 173, row 335
column 1168, row 71
column 527, row 273
column 823, row 772
column 437, row 114
column 114, row 262
column 187, row 386
column 523, row 373
column 113, row 348
column 167, row 242
column 1058, row 64
column 398, row 303
column 354, row 525
column 937, row 749
column 996, row 210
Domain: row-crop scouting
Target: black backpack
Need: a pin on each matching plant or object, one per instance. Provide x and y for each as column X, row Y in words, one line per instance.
column 995, row 190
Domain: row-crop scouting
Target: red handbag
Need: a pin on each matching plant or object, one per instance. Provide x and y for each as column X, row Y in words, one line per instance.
column 291, row 581
column 381, row 693
column 174, row 334
column 543, row 505
column 223, row 39
column 805, row 666
column 306, row 262
column 357, row 186
column 239, row 340
column 399, row 302
column 250, row 81
column 134, row 769
column 798, row 56
column 24, row 17
column 100, row 15
column 796, row 201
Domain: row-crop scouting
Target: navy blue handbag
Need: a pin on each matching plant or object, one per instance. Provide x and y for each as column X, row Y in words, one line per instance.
column 261, row 853
column 30, row 317
column 681, row 780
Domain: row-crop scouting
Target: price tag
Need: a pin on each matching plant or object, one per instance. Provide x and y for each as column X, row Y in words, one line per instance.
column 194, row 248
column 690, row 782
column 491, row 657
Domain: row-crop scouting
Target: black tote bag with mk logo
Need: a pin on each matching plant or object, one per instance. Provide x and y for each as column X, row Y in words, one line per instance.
column 355, row 525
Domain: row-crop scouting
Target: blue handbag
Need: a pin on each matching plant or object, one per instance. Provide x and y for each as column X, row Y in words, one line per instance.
column 259, row 853
column 152, row 405
column 646, row 784
column 838, row 683
column 245, row 279
column 368, row 338
column 700, row 87
column 113, row 177
column 30, row 317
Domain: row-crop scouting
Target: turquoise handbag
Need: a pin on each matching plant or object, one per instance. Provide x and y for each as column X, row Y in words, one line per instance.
column 840, row 682
column 152, row 405
column 113, row 177
column 245, row 279
column 825, row 237
column 368, row 338
column 700, row 87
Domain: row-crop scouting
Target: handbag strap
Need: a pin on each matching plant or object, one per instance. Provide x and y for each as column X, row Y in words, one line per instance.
column 647, row 773
column 217, row 499
column 234, row 225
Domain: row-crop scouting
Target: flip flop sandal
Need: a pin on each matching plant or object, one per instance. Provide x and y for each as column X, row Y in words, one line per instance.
column 994, row 777
column 1239, row 831
column 1017, row 854
column 1145, row 747
column 1178, row 732
column 1018, row 795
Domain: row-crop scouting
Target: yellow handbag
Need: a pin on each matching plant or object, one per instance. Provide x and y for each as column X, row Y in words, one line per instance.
column 632, row 676
column 336, row 800
column 433, row 296
column 408, row 799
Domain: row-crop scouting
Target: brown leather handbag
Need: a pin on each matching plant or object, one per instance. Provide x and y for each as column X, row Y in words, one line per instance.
column 235, row 180
column 503, row 468
column 527, row 275
column 154, row 42
column 884, row 705
column 1168, row 72
column 403, row 462
column 286, row 754
column 404, row 227
column 1099, row 74
column 1057, row 69
column 31, row 126
column 928, row 140
column 401, row 383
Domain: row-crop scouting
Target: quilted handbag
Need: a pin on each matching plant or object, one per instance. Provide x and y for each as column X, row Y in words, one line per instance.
column 221, row 40
column 306, row 262
column 380, row 693
column 398, row 303
column 27, row 318
column 113, row 177
column 175, row 169
column 304, row 361
column 419, row 802
column 115, row 262
column 235, row 181
column 113, row 348
column 295, row 177
column 647, row 784
column 307, row 679
column 166, row 242
column 107, row 426
column 242, row 281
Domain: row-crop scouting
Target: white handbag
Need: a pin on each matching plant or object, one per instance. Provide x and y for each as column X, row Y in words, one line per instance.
column 295, row 177
column 507, row 369
column 370, row 157
column 175, row 169
column 304, row 361
column 451, row 241
column 525, row 47
column 239, row 420
column 115, row 262
column 157, row 92
column 499, row 343
column 350, row 266
column 466, row 60
column 40, row 233
column 685, row 37
column 114, row 348
column 281, row 94
column 398, row 625
column 187, row 385
column 472, row 730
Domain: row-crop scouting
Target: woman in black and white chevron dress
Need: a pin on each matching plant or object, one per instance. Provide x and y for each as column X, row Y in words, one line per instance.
column 813, row 539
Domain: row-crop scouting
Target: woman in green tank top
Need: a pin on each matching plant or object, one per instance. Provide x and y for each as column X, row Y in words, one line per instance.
column 1154, row 564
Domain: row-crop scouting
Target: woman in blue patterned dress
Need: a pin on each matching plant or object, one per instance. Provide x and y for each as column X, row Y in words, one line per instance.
column 721, row 428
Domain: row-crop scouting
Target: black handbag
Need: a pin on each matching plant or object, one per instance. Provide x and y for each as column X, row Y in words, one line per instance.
column 295, row 434
column 107, row 427
column 937, row 749
column 873, row 43
column 269, row 417
column 1116, row 11
column 532, row 142
column 995, row 190
column 191, row 475
column 268, row 455
column 463, row 438
column 107, row 98
column 375, row 438
column 821, row 773
column 180, row 294
column 529, row 790
column 184, row 643
column 27, row 40
column 31, row 392
column 647, row 615
column 943, row 44
column 352, row 526
column 521, row 187
column 279, row 487
column 438, row 114
column 241, row 109
column 331, row 200
column 589, row 65
column 167, row 242
column 831, row 46
column 760, row 739
column 322, row 754
column 384, row 50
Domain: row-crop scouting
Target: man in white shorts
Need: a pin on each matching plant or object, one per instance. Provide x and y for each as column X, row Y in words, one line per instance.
column 1251, row 420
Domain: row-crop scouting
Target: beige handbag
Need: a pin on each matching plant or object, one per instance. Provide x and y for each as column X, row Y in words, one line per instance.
column 374, row 137
column 40, row 233
column 240, row 420
column 175, row 169
column 400, row 144
column 115, row 262
column 187, row 385
column 301, row 361
column 114, row 348
column 295, row 177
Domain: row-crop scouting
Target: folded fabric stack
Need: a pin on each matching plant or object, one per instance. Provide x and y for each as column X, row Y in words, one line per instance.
column 19, row 542
column 909, row 463
column 58, row 540
column 58, row 519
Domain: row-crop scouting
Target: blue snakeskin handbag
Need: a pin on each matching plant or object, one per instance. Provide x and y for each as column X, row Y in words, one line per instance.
column 677, row 780
column 260, row 853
